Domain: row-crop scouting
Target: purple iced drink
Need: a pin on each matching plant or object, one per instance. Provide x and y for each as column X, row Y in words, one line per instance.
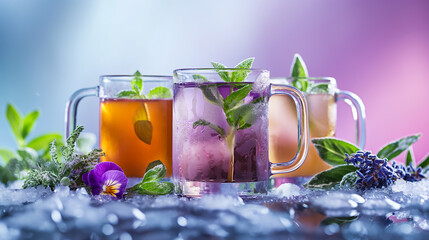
column 216, row 150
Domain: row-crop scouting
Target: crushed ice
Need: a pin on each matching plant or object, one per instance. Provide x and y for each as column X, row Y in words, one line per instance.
column 401, row 210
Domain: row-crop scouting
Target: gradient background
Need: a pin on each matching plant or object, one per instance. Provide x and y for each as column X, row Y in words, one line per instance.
column 377, row 49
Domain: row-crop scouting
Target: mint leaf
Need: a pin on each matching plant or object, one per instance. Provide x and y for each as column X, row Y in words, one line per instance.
column 241, row 117
column 337, row 220
column 216, row 128
column 223, row 74
column 155, row 171
column 332, row 150
column 425, row 162
column 329, row 178
column 127, row 94
column 155, row 188
column 235, row 97
column 151, row 181
column 395, row 148
column 240, row 75
column 160, row 92
column 349, row 180
column 143, row 129
column 410, row 157
column 198, row 76
column 42, row 142
column 15, row 122
column 212, row 94
column 298, row 69
column 6, row 155
column 28, row 154
column 320, row 88
column 137, row 83
column 28, row 123
column 299, row 73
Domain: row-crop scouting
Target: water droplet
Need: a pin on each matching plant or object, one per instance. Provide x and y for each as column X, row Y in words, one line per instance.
column 182, row 221
column 107, row 229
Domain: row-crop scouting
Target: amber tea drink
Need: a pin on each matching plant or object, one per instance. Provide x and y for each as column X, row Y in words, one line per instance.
column 135, row 120
column 123, row 139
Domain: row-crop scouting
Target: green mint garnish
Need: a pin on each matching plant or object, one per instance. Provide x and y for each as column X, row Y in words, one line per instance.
column 299, row 74
column 151, row 183
column 137, row 90
column 238, row 114
column 160, row 92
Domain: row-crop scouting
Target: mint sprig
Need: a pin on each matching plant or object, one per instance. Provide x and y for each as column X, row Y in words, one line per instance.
column 151, row 183
column 299, row 74
column 239, row 115
column 137, row 90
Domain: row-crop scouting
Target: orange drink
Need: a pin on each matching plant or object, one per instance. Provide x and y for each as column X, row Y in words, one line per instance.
column 119, row 136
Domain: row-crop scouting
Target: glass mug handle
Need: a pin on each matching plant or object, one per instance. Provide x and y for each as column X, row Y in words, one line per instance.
column 71, row 107
column 358, row 110
column 303, row 130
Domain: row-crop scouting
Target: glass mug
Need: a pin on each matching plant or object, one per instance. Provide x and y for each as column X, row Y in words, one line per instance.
column 133, row 132
column 220, row 132
column 322, row 108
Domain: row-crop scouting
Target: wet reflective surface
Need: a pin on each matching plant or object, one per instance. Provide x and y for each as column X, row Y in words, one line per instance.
column 398, row 212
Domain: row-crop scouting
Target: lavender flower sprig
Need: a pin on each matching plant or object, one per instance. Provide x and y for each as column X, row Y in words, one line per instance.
column 374, row 172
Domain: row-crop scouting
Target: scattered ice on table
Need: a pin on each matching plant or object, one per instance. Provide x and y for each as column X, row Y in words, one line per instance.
column 413, row 189
column 401, row 210
column 288, row 190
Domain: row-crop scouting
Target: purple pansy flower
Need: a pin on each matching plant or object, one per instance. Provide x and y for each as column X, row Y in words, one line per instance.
column 106, row 178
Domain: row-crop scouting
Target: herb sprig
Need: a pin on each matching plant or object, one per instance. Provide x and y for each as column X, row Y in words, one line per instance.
column 299, row 74
column 15, row 163
column 137, row 90
column 239, row 115
column 151, row 183
column 66, row 169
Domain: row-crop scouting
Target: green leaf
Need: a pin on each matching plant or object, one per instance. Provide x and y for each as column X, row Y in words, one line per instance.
column 6, row 155
column 28, row 124
column 156, row 188
column 425, row 162
column 300, row 73
column 137, row 83
column 240, row 75
column 410, row 160
column 320, row 88
column 299, row 69
column 15, row 122
column 216, row 128
column 151, row 181
column 241, row 117
column 86, row 142
column 28, row 154
column 6, row 176
column 155, row 171
column 143, row 129
column 211, row 94
column 160, row 92
column 329, row 178
column 349, row 180
column 223, row 74
column 234, row 98
column 42, row 142
column 395, row 148
column 337, row 220
column 127, row 94
column 332, row 150
column 198, row 76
